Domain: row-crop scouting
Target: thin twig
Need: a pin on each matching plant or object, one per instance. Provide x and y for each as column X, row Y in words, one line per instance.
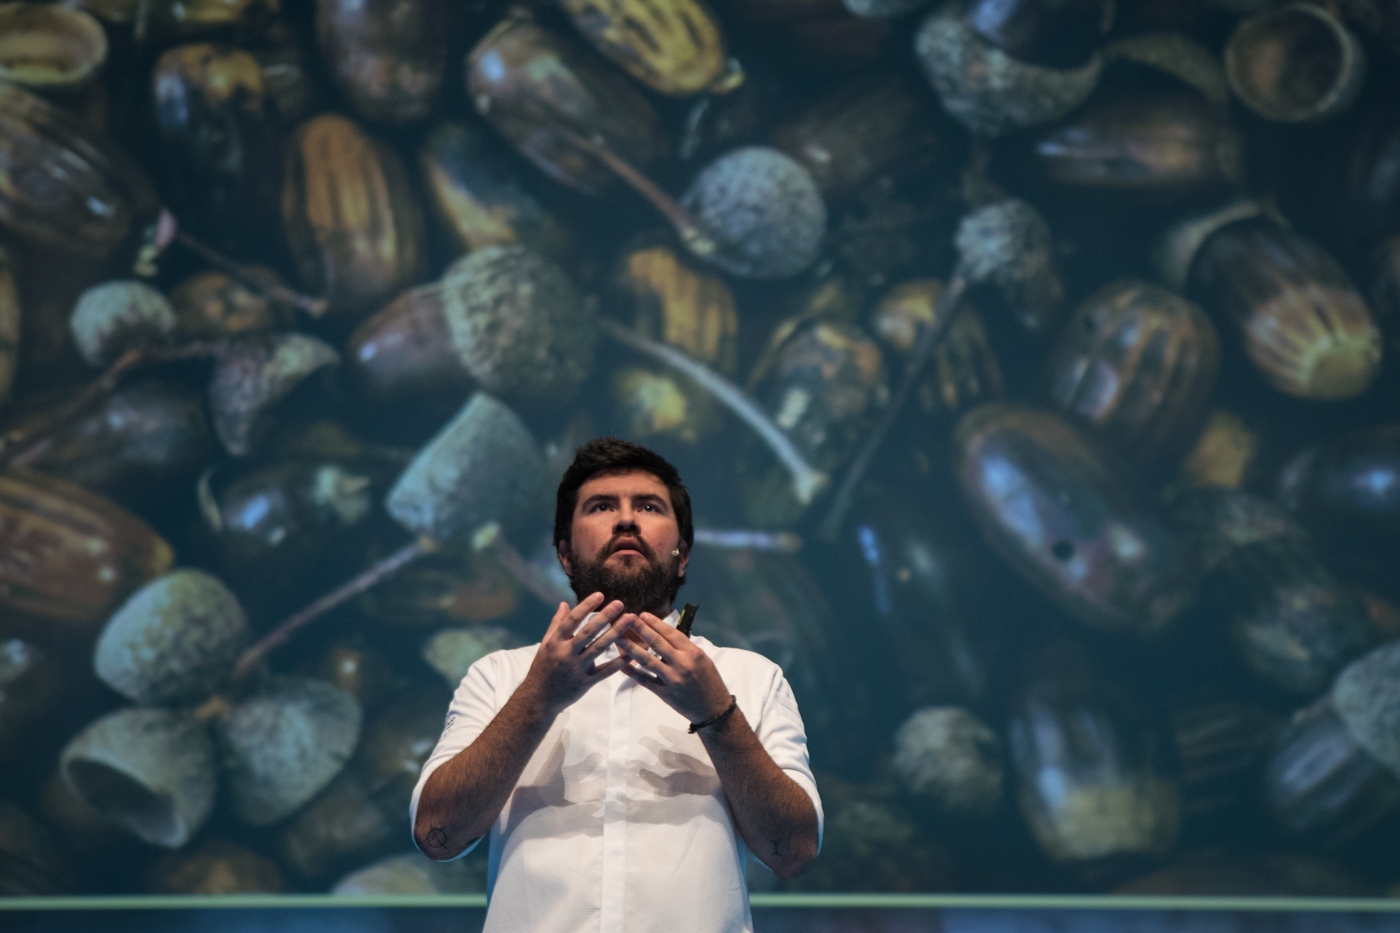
column 695, row 238
column 943, row 314
column 26, row 444
column 279, row 293
column 807, row 481
column 390, row 565
column 541, row 584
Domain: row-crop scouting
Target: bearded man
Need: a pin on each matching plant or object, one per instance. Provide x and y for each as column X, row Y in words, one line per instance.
column 623, row 770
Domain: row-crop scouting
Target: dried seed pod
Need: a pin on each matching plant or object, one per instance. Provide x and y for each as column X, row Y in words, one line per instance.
column 338, row 830
column 350, row 215
column 1056, row 512
column 480, row 198
column 1321, row 782
column 283, row 744
column 483, row 466
column 667, row 299
column 290, row 81
column 253, row 377
column 1138, row 363
column 83, row 829
column 1220, row 749
column 1294, row 623
column 1295, row 63
column 1008, row 246
column 72, row 556
column 147, row 436
column 674, row 47
column 502, row 317
column 1305, row 327
column 1284, row 874
column 823, row 390
column 1225, row 453
column 454, row 587
column 29, row 682
column 215, row 866
column 763, row 210
column 174, row 640
column 9, row 326
column 219, row 141
column 867, row 127
column 362, row 672
column 151, row 771
column 1163, row 145
column 275, row 523
column 1051, row 33
column 525, row 80
column 70, row 189
column 184, row 17
column 387, row 56
column 47, row 47
column 412, row 874
column 1366, row 697
column 964, row 363
column 31, row 863
column 211, row 305
column 1347, row 492
column 988, row 90
column 114, row 317
column 1091, row 780
column 452, row 651
column 951, row 756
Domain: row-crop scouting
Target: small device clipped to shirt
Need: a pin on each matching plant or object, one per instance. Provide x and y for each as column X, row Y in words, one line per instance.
column 687, row 619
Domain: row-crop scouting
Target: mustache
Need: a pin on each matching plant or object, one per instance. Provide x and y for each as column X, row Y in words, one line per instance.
column 634, row 541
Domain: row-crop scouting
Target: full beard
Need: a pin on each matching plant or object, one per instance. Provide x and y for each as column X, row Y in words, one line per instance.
column 647, row 588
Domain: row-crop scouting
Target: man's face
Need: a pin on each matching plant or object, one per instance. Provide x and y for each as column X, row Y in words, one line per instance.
column 622, row 536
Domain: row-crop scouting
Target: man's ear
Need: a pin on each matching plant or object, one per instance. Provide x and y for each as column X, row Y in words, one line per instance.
column 685, row 558
column 565, row 560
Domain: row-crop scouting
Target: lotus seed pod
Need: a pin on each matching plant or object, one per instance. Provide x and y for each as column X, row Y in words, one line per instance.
column 1367, row 698
column 114, row 317
column 173, row 640
column 952, row 757
column 1008, row 246
column 285, row 743
column 253, row 376
column 453, row 651
column 151, row 771
column 518, row 323
column 763, row 211
column 483, row 466
column 413, row 874
column 986, row 89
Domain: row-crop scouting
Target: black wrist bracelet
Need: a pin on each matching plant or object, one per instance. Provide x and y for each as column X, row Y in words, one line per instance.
column 733, row 704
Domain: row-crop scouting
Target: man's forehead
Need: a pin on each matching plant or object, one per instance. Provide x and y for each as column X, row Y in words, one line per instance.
column 625, row 482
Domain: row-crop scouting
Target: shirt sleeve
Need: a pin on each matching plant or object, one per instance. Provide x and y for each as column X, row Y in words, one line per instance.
column 473, row 706
column 781, row 731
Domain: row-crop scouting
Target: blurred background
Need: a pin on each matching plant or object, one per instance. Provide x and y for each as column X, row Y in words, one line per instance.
column 1027, row 362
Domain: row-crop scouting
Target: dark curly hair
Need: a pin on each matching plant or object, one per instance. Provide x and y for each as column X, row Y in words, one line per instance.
column 605, row 455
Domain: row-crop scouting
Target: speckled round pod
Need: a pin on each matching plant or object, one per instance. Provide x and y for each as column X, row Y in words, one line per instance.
column 253, row 375
column 483, row 466
column 285, row 743
column 1367, row 698
column 518, row 323
column 151, row 771
column 1008, row 246
column 880, row 9
column 174, row 639
column 762, row 209
column 951, row 756
column 989, row 91
column 114, row 317
column 453, row 651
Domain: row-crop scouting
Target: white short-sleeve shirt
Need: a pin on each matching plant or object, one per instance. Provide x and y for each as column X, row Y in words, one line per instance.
column 618, row 823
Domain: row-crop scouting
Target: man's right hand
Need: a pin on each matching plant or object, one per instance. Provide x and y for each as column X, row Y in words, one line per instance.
column 563, row 669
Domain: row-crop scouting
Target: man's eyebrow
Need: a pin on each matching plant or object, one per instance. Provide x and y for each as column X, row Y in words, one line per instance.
column 651, row 497
column 598, row 497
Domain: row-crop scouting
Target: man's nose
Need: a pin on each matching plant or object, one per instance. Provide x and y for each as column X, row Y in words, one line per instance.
column 626, row 519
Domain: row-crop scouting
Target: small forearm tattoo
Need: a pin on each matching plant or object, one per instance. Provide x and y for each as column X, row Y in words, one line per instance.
column 437, row 838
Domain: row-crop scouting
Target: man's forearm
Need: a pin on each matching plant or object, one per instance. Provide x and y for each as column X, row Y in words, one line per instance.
column 771, row 811
column 464, row 796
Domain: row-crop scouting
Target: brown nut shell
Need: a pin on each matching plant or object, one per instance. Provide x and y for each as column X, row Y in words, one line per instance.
column 1295, row 63
column 253, row 376
column 387, row 56
column 1058, row 514
column 1138, row 363
column 672, row 46
column 46, row 46
column 350, row 215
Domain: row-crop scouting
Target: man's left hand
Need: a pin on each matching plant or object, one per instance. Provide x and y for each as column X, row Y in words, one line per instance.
column 675, row 669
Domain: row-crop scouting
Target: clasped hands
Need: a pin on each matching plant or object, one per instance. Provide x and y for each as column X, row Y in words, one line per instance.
column 651, row 652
